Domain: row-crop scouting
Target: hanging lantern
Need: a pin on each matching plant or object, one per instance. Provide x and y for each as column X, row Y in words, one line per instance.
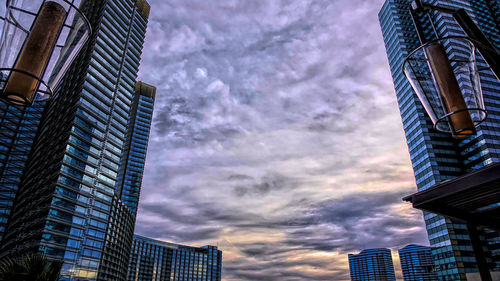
column 40, row 40
column 445, row 76
column 444, row 72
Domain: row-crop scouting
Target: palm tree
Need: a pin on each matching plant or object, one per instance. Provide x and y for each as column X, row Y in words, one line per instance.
column 31, row 267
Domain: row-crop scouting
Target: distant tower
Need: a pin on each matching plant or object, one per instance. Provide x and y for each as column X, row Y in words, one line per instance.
column 129, row 179
column 417, row 263
column 372, row 265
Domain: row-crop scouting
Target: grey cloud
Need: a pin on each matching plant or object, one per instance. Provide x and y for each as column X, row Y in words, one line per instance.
column 268, row 183
column 347, row 224
column 362, row 221
column 238, row 177
column 267, row 125
column 332, row 226
column 181, row 235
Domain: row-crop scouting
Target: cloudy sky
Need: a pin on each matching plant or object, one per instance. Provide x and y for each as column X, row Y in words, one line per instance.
column 276, row 136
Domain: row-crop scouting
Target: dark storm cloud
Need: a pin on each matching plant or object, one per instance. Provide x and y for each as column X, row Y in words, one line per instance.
column 279, row 272
column 332, row 226
column 361, row 220
column 268, row 183
column 276, row 136
column 347, row 224
column 237, row 177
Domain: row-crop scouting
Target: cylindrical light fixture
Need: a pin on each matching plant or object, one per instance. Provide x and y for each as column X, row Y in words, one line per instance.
column 448, row 86
column 444, row 72
column 39, row 41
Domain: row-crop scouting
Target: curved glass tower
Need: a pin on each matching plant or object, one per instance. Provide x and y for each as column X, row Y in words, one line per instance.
column 69, row 204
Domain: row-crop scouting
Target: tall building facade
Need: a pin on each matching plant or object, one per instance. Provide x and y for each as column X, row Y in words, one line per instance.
column 128, row 185
column 129, row 179
column 157, row 260
column 437, row 156
column 18, row 126
column 372, row 265
column 417, row 263
column 69, row 203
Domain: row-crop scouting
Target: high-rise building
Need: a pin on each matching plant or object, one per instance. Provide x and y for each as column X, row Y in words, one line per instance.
column 417, row 263
column 128, row 184
column 129, row 178
column 372, row 265
column 437, row 156
column 18, row 126
column 69, row 203
column 157, row 260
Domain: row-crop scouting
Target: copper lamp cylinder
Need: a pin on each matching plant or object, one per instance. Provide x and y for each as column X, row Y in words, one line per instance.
column 461, row 121
column 35, row 54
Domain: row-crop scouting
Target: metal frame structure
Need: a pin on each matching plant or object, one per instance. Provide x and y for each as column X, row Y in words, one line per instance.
column 49, row 91
column 445, row 117
column 442, row 72
column 485, row 47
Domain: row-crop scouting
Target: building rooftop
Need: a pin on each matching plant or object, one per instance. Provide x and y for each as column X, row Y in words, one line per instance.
column 145, row 89
column 168, row 244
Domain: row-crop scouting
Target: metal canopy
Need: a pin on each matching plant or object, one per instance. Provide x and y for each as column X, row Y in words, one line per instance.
column 474, row 197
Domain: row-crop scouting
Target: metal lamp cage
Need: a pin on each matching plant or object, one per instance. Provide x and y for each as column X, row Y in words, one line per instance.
column 39, row 41
column 453, row 96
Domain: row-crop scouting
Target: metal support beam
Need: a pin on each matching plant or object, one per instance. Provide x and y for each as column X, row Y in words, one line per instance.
column 482, row 264
column 485, row 47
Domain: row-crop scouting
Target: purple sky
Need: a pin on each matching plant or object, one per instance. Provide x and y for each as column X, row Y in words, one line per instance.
column 276, row 136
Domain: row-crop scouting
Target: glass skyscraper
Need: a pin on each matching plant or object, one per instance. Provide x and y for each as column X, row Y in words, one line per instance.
column 129, row 178
column 157, row 260
column 128, row 184
column 372, row 265
column 70, row 204
column 417, row 263
column 437, row 156
column 18, row 126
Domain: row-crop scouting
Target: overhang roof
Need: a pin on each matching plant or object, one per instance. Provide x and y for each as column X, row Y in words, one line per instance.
column 474, row 197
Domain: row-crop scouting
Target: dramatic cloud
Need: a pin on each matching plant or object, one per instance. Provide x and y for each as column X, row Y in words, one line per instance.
column 276, row 136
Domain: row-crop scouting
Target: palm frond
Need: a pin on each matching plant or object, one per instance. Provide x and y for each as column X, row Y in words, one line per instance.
column 31, row 267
